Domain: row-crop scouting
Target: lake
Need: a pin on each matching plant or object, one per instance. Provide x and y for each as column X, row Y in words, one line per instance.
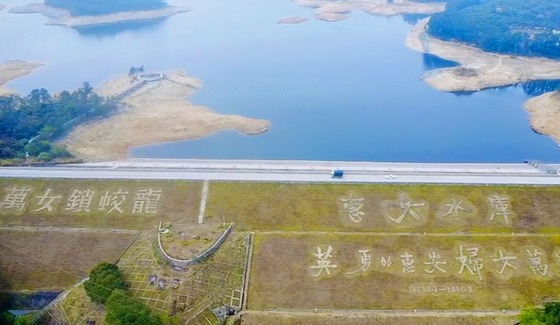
column 347, row 90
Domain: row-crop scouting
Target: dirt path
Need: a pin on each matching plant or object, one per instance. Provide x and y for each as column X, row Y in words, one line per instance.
column 329, row 10
column 395, row 317
column 156, row 112
column 479, row 69
column 14, row 69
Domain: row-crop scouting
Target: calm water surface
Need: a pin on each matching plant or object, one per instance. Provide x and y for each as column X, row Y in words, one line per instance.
column 348, row 90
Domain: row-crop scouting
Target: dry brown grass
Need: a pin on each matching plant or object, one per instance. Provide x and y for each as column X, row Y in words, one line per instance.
column 179, row 204
column 33, row 260
column 281, row 276
column 387, row 319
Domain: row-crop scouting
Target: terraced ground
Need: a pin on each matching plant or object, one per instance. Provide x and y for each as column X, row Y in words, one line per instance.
column 337, row 253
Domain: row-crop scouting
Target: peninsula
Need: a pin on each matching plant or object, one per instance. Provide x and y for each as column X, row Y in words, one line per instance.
column 14, row 69
column 154, row 111
column 329, row 10
column 544, row 113
column 478, row 69
column 79, row 17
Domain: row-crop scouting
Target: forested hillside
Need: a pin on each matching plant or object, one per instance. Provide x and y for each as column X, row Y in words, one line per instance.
column 520, row 27
column 28, row 124
column 103, row 7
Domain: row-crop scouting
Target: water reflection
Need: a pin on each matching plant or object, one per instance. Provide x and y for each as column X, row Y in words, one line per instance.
column 432, row 62
column 539, row 87
column 413, row 19
column 111, row 30
column 531, row 88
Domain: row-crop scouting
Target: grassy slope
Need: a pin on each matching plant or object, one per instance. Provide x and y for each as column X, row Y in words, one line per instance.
column 317, row 207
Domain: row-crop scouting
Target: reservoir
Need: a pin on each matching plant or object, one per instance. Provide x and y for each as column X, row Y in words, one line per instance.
column 348, row 90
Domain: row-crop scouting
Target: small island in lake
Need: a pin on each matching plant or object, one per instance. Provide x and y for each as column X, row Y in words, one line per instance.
column 292, row 20
column 76, row 13
column 333, row 10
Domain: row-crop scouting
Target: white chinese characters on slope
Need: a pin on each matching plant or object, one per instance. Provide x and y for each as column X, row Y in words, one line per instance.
column 467, row 261
column 46, row 201
column 500, row 208
column 15, row 199
column 323, row 262
column 455, row 209
column 405, row 210
column 145, row 201
column 352, row 207
column 365, row 261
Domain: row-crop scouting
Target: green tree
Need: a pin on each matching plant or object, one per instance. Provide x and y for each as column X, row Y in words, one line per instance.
column 103, row 279
column 549, row 315
column 59, row 152
column 122, row 309
column 518, row 27
column 42, row 117
column 37, row 147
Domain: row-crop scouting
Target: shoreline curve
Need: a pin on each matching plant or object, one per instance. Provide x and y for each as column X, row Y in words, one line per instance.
column 153, row 112
column 544, row 114
column 13, row 69
column 477, row 69
column 62, row 17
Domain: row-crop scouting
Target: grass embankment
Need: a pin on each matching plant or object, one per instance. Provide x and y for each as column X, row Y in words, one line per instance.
column 392, row 318
column 318, row 207
column 58, row 247
column 282, row 277
column 178, row 203
column 291, row 220
column 54, row 260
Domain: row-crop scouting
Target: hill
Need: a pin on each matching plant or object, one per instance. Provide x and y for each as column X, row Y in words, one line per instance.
column 519, row 27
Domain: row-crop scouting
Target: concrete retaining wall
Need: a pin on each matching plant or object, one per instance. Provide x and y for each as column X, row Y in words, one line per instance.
column 198, row 259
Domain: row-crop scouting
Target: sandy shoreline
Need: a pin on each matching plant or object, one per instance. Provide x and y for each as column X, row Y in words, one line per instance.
column 544, row 111
column 14, row 69
column 329, row 10
column 63, row 17
column 479, row 69
column 157, row 112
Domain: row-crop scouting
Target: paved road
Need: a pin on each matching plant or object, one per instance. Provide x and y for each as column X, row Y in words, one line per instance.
column 293, row 171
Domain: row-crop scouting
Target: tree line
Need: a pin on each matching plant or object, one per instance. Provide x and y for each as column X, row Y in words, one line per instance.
column 106, row 286
column 104, row 7
column 29, row 124
column 517, row 27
